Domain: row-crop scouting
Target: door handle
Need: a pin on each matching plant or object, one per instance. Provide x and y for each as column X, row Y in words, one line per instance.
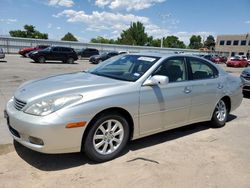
column 187, row 90
column 220, row 86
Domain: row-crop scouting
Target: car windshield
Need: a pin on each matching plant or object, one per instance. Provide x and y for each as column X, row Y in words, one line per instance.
column 125, row 67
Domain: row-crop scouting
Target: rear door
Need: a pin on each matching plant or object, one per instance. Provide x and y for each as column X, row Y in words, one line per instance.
column 205, row 87
column 55, row 53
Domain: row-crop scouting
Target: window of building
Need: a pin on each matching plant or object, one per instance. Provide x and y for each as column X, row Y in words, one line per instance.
column 249, row 42
column 232, row 54
column 236, row 42
column 222, row 42
column 241, row 53
column 229, row 42
column 243, row 42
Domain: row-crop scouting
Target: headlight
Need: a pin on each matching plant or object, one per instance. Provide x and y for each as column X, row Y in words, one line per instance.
column 48, row 106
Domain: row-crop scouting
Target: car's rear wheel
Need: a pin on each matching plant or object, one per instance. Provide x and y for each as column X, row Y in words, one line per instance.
column 41, row 59
column 70, row 60
column 106, row 138
column 220, row 114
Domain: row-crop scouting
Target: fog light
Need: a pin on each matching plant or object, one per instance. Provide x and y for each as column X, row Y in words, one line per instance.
column 37, row 141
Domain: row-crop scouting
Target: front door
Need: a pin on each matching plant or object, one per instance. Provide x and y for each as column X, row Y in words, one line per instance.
column 164, row 107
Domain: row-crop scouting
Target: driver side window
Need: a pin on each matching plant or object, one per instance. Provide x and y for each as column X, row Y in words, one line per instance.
column 174, row 69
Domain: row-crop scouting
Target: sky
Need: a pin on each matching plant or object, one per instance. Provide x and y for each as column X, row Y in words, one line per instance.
column 88, row 19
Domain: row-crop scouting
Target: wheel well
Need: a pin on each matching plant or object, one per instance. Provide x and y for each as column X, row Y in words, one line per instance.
column 118, row 110
column 227, row 100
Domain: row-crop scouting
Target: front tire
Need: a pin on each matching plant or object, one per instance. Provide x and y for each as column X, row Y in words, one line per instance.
column 41, row 59
column 220, row 114
column 106, row 138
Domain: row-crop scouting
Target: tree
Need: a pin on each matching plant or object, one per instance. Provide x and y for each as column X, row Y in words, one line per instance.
column 156, row 43
column 195, row 42
column 210, row 42
column 173, row 42
column 135, row 35
column 28, row 32
column 100, row 39
column 69, row 37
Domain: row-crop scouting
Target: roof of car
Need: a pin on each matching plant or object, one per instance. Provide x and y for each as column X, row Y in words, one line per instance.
column 164, row 54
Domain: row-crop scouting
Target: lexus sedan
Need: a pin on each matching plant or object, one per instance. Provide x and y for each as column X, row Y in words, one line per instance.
column 124, row 98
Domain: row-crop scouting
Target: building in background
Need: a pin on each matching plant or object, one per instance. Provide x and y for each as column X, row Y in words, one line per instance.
column 231, row 45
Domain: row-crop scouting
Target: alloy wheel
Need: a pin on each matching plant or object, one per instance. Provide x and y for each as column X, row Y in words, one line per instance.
column 108, row 137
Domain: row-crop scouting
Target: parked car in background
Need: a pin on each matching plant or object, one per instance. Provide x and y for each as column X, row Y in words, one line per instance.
column 126, row 97
column 25, row 51
column 209, row 57
column 220, row 59
column 2, row 54
column 237, row 61
column 99, row 58
column 55, row 53
column 245, row 76
column 123, row 52
column 87, row 52
column 239, row 57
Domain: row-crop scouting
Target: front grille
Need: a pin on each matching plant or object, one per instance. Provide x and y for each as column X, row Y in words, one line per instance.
column 19, row 104
column 247, row 78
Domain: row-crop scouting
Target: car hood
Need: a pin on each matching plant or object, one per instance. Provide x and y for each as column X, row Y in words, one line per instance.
column 72, row 83
column 26, row 49
column 247, row 70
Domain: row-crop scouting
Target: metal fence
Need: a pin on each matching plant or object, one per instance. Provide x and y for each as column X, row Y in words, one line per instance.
column 13, row 44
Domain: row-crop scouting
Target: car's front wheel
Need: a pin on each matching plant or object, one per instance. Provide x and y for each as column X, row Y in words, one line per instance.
column 106, row 138
column 220, row 114
column 41, row 59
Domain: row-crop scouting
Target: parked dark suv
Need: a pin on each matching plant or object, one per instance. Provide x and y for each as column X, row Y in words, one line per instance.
column 55, row 53
column 87, row 52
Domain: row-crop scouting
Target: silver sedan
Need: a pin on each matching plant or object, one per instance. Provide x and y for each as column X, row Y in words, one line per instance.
column 124, row 98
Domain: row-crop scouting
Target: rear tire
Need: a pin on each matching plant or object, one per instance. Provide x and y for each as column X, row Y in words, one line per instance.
column 220, row 114
column 70, row 60
column 106, row 138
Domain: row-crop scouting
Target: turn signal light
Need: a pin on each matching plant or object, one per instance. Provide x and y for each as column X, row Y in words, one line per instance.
column 76, row 124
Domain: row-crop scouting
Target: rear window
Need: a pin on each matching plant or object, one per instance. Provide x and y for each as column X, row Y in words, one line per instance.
column 202, row 69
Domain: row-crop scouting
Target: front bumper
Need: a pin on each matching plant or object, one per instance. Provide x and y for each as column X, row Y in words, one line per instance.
column 246, row 83
column 50, row 129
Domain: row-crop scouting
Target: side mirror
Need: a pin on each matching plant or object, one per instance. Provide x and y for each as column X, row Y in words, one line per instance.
column 156, row 80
